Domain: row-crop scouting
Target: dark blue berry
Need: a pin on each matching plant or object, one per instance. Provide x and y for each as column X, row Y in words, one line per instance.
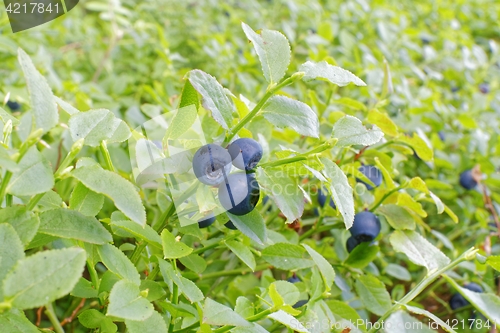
column 239, row 193
column 293, row 279
column 245, row 152
column 467, row 181
column 351, row 244
column 211, row 164
column 230, row 225
column 484, row 88
column 14, row 106
column 441, row 135
column 458, row 301
column 300, row 303
column 474, row 287
column 206, row 221
column 372, row 173
column 366, row 227
column 322, row 194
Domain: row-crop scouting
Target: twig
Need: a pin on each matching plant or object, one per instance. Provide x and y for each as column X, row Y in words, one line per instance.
column 39, row 315
column 73, row 314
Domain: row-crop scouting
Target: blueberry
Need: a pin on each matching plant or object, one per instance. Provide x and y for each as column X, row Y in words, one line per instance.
column 211, row 163
column 351, row 244
column 484, row 88
column 322, row 194
column 458, row 301
column 230, row 225
column 293, row 279
column 372, row 173
column 300, row 303
column 425, row 40
column 245, row 153
column 441, row 135
column 239, row 194
column 206, row 221
column 14, row 106
column 454, row 89
column 366, row 227
column 467, row 181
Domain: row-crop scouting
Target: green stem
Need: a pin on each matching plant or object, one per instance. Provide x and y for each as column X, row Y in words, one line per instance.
column 233, row 272
column 174, row 299
column 75, row 149
column 467, row 255
column 93, row 275
column 270, row 92
column 51, row 314
column 388, row 194
column 153, row 273
column 189, row 328
column 35, row 200
column 107, row 158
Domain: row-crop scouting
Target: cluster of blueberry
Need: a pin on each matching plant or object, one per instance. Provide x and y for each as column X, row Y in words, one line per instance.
column 366, row 225
column 238, row 192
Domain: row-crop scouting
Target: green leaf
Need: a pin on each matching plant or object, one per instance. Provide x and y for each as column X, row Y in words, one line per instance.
column 324, row 71
column 86, row 201
column 286, row 256
column 22, row 220
column 117, row 262
column 92, row 318
column 344, row 311
column 340, row 190
column 362, row 255
column 214, row 97
column 402, row 322
column 398, row 217
column 5, row 116
column 126, row 302
column 97, row 125
column 187, row 287
column 84, row 289
column 182, row 121
column 289, row 321
column 324, row 266
column 43, row 277
column 66, row 106
column 11, row 251
column 14, row 321
column 283, row 292
column 115, row 187
column 194, row 262
column 383, row 121
column 350, row 103
column 146, row 233
column 273, row 181
column 154, row 324
column 418, row 250
column 34, row 175
column 242, row 252
column 172, row 247
column 494, row 261
column 215, row 313
column 430, row 315
column 189, row 96
column 397, row 271
column 350, row 131
column 68, row 223
column 273, row 51
column 251, row 225
column 419, row 145
column 6, row 161
column 42, row 100
column 284, row 112
column 373, row 294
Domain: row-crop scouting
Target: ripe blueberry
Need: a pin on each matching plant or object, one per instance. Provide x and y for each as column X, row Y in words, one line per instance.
column 14, row 106
column 322, row 194
column 211, row 163
column 372, row 173
column 239, row 194
column 467, row 180
column 206, row 221
column 458, row 301
column 366, row 227
column 441, row 135
column 293, row 279
column 245, row 152
column 484, row 88
column 351, row 244
column 230, row 225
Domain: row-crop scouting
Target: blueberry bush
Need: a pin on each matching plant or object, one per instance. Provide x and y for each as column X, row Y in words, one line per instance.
column 252, row 166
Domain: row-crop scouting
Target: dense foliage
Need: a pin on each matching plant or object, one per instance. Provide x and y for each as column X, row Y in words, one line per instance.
column 323, row 165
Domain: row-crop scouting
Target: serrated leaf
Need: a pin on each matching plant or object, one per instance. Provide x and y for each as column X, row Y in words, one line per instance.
column 84, row 289
column 215, row 313
column 398, row 217
column 182, row 121
column 154, row 324
column 85, row 201
column 350, row 131
column 42, row 100
column 22, row 220
column 350, row 103
column 66, row 106
column 430, row 315
column 11, row 250
column 115, row 187
column 283, row 112
column 126, row 302
column 340, row 190
column 187, row 287
column 362, row 255
column 373, row 294
column 287, row 291
column 173, row 248
column 34, row 175
column 405, row 200
column 289, row 321
column 419, row 145
column 251, row 225
column 334, row 74
column 146, row 233
column 43, row 277
column 344, row 311
column 383, row 121
column 67, row 223
column 273, row 51
column 194, row 262
column 189, row 96
column 242, row 252
column 324, row 266
column 14, row 321
column 117, row 262
column 419, row 250
column 290, row 203
column 213, row 96
column 286, row 256
column 397, row 271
